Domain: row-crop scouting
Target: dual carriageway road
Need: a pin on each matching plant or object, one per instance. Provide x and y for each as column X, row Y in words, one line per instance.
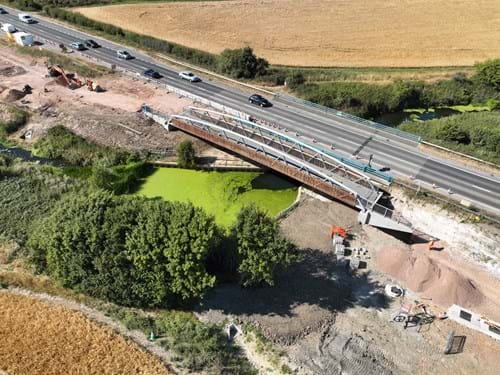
column 349, row 137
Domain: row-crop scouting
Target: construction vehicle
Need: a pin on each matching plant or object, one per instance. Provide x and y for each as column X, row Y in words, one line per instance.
column 68, row 80
column 342, row 232
column 92, row 86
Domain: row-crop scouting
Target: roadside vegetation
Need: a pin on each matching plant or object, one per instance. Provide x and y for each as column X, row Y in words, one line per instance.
column 12, row 120
column 72, row 64
column 476, row 134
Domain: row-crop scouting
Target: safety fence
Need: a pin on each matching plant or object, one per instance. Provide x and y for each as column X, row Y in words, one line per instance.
column 358, row 120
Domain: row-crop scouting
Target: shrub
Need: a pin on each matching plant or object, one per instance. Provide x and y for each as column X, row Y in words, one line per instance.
column 15, row 119
column 186, row 155
column 242, row 63
column 488, row 72
column 200, row 346
column 61, row 143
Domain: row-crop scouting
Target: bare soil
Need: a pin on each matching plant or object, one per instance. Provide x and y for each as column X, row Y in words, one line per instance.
column 110, row 118
column 37, row 338
column 324, row 33
column 330, row 321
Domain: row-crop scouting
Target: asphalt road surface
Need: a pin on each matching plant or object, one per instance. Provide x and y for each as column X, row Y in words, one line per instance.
column 348, row 137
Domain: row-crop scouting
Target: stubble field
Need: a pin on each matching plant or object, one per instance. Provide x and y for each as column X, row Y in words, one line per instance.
column 38, row 338
column 354, row 33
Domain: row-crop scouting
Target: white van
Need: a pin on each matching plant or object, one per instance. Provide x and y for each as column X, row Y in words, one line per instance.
column 8, row 28
column 26, row 18
column 23, row 39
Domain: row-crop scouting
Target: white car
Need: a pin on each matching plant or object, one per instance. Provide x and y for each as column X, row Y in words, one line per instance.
column 189, row 76
column 125, row 55
column 26, row 18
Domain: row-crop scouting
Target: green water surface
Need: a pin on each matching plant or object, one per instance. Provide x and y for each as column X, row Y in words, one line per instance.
column 221, row 194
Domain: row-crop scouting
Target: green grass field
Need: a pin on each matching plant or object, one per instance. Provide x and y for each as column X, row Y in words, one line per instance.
column 221, row 194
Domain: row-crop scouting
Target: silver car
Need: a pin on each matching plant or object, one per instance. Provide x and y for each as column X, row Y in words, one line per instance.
column 125, row 55
column 189, row 76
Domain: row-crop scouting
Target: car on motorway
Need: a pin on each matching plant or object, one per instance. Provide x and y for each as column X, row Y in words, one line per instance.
column 125, row 55
column 189, row 76
column 152, row 73
column 79, row 46
column 91, row 43
column 3, row 11
column 26, row 18
column 259, row 100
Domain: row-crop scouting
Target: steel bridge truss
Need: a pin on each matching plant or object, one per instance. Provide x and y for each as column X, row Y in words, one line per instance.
column 297, row 159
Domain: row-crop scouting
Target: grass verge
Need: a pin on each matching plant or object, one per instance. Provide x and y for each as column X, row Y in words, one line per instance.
column 70, row 64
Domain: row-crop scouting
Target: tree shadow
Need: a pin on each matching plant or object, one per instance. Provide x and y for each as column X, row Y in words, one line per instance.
column 316, row 280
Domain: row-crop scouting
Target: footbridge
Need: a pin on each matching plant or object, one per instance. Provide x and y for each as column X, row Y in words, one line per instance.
column 308, row 163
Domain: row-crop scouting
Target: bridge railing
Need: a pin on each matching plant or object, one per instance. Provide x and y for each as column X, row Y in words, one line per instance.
column 372, row 124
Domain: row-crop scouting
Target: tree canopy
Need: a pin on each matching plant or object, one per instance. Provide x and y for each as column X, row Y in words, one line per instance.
column 261, row 249
column 488, row 72
column 242, row 63
column 130, row 250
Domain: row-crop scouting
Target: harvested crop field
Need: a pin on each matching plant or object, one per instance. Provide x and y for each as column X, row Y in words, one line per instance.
column 38, row 338
column 324, row 33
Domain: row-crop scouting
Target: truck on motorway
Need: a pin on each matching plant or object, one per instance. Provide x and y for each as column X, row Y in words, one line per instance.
column 8, row 28
column 23, row 39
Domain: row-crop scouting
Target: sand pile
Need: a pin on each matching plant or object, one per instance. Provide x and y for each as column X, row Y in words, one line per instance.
column 429, row 277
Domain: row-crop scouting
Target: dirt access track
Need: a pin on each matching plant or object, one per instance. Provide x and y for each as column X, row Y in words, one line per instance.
column 350, row 33
column 38, row 338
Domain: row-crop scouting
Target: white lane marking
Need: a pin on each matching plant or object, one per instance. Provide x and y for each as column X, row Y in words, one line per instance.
column 480, row 188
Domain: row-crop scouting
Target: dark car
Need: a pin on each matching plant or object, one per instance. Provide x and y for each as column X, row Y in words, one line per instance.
column 152, row 73
column 91, row 43
column 259, row 100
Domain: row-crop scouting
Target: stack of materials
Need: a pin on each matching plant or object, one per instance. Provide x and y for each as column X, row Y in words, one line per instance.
column 338, row 244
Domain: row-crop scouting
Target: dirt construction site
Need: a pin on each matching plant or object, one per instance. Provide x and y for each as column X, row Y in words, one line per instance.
column 322, row 316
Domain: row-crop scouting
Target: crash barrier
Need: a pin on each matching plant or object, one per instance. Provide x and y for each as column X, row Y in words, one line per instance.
column 183, row 93
column 359, row 120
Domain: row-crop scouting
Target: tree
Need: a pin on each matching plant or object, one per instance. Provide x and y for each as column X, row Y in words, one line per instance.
column 242, row 63
column 129, row 250
column 261, row 249
column 186, row 155
column 488, row 72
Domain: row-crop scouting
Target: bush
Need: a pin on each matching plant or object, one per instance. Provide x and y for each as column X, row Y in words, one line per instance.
column 488, row 72
column 476, row 134
column 242, row 63
column 129, row 250
column 61, row 143
column 186, row 155
column 121, row 179
column 200, row 346
column 261, row 249
column 295, row 79
column 15, row 118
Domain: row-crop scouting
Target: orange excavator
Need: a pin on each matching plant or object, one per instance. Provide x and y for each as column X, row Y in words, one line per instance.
column 338, row 230
column 68, row 80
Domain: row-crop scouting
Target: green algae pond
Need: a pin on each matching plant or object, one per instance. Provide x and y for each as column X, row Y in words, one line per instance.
column 221, row 194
